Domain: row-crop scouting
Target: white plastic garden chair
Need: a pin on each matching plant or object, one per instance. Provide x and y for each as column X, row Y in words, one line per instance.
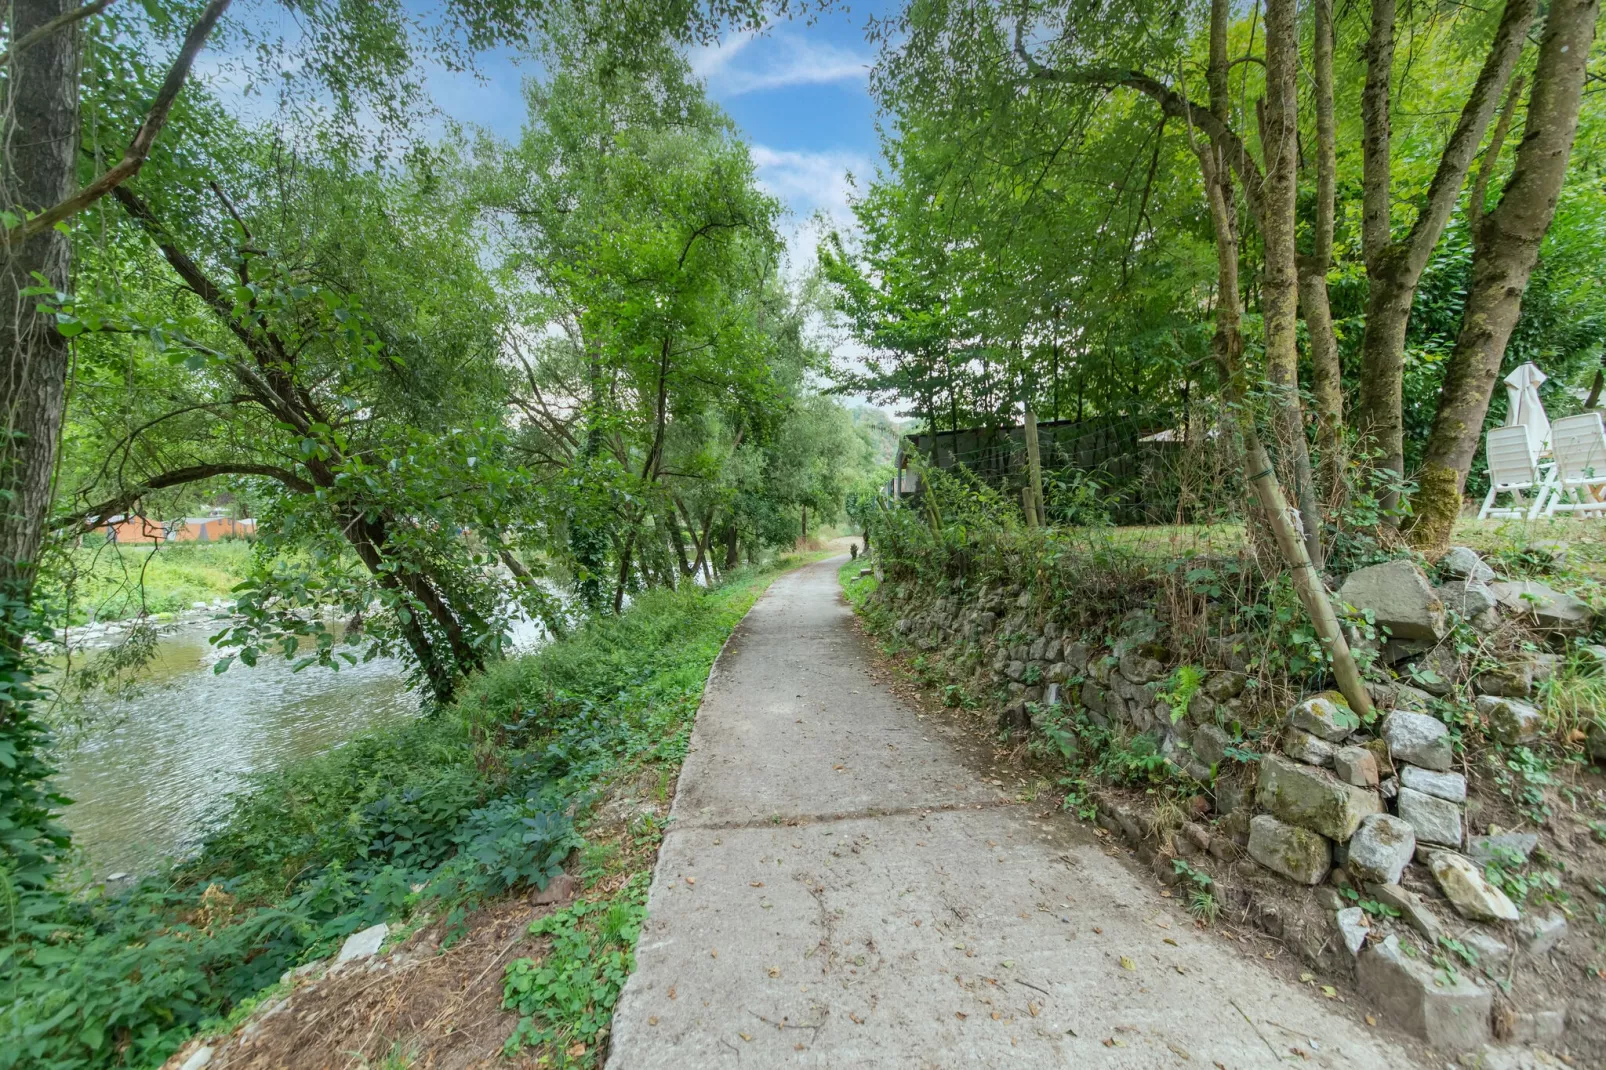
column 1514, row 469
column 1579, row 445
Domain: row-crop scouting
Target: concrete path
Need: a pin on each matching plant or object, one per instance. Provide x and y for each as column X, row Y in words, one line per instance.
column 845, row 885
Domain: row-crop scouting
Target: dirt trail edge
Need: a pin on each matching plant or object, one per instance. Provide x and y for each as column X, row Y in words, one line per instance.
column 839, row 887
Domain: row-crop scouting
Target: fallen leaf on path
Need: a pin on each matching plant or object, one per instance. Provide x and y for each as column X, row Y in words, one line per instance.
column 671, row 991
column 1032, row 1009
column 1306, row 978
column 755, row 884
column 1098, row 930
column 691, row 880
column 1165, row 895
column 744, row 1036
column 856, row 1018
column 961, row 1015
column 1329, row 991
column 712, row 953
column 653, row 1020
column 775, row 971
column 996, row 1016
column 1180, row 1052
column 577, row 1049
column 1172, row 942
column 1128, row 964
column 798, row 1047
column 1370, row 1020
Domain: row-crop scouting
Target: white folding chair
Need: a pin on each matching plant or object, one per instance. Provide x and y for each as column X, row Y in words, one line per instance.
column 1579, row 444
column 1513, row 470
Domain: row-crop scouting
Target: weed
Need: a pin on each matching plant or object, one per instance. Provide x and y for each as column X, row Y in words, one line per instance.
column 1372, row 906
column 1180, row 688
column 565, row 1001
column 1522, row 777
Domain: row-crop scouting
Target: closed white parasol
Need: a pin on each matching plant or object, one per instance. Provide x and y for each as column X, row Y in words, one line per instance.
column 1523, row 407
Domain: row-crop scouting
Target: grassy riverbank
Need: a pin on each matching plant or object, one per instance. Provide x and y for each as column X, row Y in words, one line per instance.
column 108, row 582
column 432, row 816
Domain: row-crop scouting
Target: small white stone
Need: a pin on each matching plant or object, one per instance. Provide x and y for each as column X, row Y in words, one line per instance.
column 1352, row 928
column 363, row 945
column 198, row 1058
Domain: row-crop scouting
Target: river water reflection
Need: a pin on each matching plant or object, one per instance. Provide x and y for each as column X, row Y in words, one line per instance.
column 153, row 771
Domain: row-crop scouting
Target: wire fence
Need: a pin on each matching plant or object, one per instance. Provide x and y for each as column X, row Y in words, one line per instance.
column 1142, row 468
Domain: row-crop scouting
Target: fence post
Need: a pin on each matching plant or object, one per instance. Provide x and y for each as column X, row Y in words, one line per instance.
column 1035, row 513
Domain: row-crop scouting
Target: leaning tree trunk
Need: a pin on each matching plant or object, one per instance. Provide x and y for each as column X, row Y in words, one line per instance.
column 1506, row 247
column 1228, row 344
column 37, row 166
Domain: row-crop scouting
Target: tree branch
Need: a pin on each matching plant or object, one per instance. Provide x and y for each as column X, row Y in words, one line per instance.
column 1171, row 103
column 1475, row 115
column 139, row 148
column 97, row 515
column 45, row 29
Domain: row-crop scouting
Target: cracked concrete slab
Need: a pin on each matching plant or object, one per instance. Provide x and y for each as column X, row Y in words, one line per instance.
column 901, row 911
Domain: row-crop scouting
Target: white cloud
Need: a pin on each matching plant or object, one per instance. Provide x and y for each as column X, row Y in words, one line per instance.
column 815, row 189
column 812, row 181
column 780, row 60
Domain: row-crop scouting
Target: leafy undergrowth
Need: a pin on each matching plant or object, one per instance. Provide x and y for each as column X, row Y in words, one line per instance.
column 432, row 816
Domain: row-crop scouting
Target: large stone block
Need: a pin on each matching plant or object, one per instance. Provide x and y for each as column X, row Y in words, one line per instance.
column 1450, row 1012
column 1418, row 739
column 1463, row 563
column 1380, row 849
column 1510, row 721
column 1399, row 597
column 1435, row 820
column 1293, row 852
column 1313, row 798
column 1544, row 607
column 1451, row 786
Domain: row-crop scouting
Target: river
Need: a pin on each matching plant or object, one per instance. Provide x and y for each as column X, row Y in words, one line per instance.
column 153, row 770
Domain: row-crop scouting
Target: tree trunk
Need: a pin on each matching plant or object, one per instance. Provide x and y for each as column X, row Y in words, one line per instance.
column 1326, row 378
column 732, row 547
column 37, row 171
column 1505, row 249
column 1393, row 268
column 1228, row 346
column 40, row 170
column 1280, row 300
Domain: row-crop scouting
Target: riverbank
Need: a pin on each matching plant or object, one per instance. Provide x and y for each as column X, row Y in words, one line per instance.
column 433, row 819
column 107, row 582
